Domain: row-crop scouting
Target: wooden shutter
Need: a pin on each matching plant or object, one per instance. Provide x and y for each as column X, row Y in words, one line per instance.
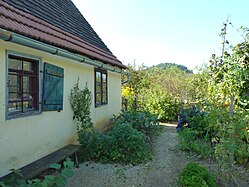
column 53, row 88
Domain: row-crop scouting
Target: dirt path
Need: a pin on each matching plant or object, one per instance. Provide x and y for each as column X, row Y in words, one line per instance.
column 162, row 171
column 167, row 164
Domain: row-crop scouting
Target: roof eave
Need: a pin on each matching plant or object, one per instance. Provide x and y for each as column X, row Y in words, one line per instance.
column 29, row 42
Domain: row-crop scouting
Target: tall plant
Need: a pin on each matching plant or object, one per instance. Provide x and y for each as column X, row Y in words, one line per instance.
column 80, row 101
column 229, row 87
column 230, row 74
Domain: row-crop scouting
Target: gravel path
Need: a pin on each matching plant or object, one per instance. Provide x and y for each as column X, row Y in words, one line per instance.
column 162, row 171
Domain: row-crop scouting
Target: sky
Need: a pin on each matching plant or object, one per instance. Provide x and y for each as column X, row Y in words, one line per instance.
column 150, row 32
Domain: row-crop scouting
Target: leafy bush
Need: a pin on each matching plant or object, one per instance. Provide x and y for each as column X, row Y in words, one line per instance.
column 142, row 121
column 190, row 141
column 160, row 103
column 123, row 144
column 194, row 119
column 196, row 175
column 234, row 139
column 200, row 124
column 95, row 145
column 218, row 135
column 160, row 91
column 130, row 144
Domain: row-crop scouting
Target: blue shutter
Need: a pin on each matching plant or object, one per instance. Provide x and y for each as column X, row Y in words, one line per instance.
column 53, row 88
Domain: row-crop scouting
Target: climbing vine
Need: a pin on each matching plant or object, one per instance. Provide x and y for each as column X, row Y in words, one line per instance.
column 80, row 101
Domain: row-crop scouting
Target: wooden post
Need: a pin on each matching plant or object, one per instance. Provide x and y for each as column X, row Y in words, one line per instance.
column 135, row 103
column 126, row 104
column 231, row 112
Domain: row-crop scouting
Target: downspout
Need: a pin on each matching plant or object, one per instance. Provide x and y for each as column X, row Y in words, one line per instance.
column 128, row 78
column 22, row 40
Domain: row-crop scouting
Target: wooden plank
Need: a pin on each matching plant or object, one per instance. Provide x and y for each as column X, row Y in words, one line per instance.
column 36, row 167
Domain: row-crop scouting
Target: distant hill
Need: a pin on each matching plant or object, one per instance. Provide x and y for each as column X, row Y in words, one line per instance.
column 171, row 65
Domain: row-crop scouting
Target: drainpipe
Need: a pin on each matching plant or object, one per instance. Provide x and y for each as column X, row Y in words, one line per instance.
column 22, row 40
column 128, row 78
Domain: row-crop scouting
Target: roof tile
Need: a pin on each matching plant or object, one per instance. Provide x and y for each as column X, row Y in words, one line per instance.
column 28, row 25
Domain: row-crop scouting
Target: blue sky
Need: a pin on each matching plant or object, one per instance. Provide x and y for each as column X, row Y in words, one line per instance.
column 158, row 31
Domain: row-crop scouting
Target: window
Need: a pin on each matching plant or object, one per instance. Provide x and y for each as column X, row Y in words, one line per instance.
column 100, row 87
column 23, row 85
column 25, row 93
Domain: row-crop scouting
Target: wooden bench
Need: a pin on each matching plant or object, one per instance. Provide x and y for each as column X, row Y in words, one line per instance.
column 35, row 168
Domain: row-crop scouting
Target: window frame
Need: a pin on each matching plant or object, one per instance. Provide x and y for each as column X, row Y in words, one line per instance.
column 101, row 92
column 37, row 85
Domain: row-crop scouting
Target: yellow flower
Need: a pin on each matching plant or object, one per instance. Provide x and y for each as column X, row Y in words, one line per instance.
column 127, row 91
column 226, row 103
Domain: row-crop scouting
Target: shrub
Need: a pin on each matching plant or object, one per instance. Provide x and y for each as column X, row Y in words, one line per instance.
column 142, row 121
column 196, row 175
column 129, row 144
column 199, row 123
column 95, row 145
column 195, row 120
column 123, row 144
column 190, row 141
column 161, row 103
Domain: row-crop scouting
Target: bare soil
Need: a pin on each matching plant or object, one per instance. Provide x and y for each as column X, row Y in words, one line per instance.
column 163, row 170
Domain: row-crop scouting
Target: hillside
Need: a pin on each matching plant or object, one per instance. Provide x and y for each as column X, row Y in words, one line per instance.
column 171, row 65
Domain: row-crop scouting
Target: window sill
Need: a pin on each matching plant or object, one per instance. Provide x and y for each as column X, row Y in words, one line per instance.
column 101, row 105
column 22, row 115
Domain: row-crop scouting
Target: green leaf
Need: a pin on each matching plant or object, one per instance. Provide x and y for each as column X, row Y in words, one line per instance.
column 55, row 166
column 2, row 184
column 68, row 163
column 61, row 181
column 21, row 183
column 67, row 172
column 49, row 177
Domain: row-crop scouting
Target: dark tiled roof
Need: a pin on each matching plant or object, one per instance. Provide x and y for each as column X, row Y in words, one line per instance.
column 56, row 28
column 62, row 14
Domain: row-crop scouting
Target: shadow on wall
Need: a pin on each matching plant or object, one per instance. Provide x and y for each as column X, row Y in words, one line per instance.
column 102, row 125
column 72, row 139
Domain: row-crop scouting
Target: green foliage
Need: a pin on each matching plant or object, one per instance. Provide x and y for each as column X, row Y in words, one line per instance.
column 233, row 140
column 190, row 141
column 170, row 66
column 96, row 145
column 130, row 144
column 199, row 123
column 230, row 73
column 142, row 121
column 49, row 180
column 217, row 135
column 123, row 144
column 162, row 104
column 225, row 126
column 161, row 91
column 196, row 175
column 80, row 101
